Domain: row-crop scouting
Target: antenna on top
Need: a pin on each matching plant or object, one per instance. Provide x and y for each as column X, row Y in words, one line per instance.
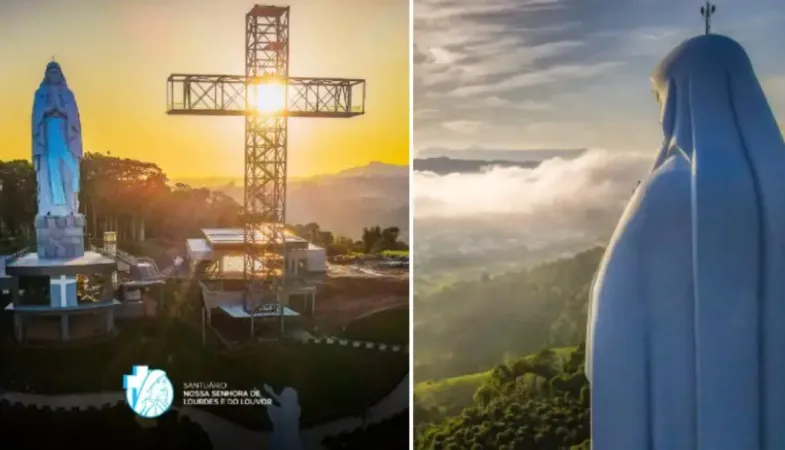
column 707, row 11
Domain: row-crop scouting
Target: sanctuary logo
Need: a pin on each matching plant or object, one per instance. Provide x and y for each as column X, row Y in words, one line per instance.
column 148, row 392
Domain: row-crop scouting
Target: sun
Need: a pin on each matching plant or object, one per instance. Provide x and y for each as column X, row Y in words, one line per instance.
column 269, row 97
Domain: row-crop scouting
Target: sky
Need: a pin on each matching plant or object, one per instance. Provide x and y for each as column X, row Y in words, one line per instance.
column 117, row 54
column 566, row 74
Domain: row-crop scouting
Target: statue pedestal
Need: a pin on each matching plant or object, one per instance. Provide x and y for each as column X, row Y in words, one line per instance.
column 60, row 237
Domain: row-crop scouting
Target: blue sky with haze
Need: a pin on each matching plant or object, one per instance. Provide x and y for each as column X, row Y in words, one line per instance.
column 548, row 74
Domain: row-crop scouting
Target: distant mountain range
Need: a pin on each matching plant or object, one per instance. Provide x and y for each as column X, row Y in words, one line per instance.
column 477, row 154
column 344, row 203
column 445, row 162
column 445, row 166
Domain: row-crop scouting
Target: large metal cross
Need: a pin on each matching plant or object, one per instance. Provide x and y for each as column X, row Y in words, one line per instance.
column 707, row 11
column 266, row 96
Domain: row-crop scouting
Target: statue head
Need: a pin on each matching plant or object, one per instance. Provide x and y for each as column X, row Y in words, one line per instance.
column 700, row 56
column 53, row 75
column 704, row 78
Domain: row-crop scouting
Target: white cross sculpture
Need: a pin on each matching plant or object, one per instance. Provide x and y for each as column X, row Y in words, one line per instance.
column 63, row 283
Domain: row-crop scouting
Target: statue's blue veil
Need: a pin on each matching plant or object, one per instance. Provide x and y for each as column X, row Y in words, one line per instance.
column 53, row 67
column 686, row 329
column 715, row 114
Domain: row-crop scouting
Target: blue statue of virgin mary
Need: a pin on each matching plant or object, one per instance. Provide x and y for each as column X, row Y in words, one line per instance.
column 57, row 145
column 686, row 339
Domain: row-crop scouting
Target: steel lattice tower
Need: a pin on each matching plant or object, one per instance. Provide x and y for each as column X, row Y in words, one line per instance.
column 266, row 137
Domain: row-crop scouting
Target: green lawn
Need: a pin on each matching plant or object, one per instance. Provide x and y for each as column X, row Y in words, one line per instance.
column 449, row 394
column 390, row 326
column 332, row 381
column 396, row 253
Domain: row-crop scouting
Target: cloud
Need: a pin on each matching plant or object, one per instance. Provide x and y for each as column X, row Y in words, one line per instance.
column 425, row 113
column 495, row 101
column 513, row 63
column 442, row 10
column 562, row 197
column 774, row 86
column 479, row 60
column 650, row 42
column 550, row 75
column 458, row 41
column 441, row 55
column 491, row 54
column 463, row 126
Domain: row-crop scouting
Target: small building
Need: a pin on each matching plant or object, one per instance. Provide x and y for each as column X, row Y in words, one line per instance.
column 222, row 249
column 217, row 260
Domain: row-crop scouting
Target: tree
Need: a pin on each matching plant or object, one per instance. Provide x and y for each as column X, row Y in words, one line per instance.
column 17, row 202
column 136, row 200
column 130, row 197
column 326, row 237
column 370, row 237
column 533, row 402
column 390, row 236
column 375, row 239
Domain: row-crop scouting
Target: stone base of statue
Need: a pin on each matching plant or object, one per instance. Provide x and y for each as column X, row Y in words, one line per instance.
column 60, row 237
column 62, row 299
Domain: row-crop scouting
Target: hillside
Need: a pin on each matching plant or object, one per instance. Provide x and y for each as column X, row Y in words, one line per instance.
column 509, row 316
column 449, row 396
column 153, row 216
column 537, row 402
column 344, row 202
column 534, row 321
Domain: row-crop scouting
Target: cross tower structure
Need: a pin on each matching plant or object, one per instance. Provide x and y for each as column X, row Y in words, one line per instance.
column 266, row 137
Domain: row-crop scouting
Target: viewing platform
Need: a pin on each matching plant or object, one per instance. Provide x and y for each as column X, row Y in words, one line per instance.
column 30, row 264
column 61, row 299
column 36, row 323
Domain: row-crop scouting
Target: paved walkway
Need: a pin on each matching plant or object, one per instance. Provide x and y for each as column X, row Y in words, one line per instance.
column 304, row 337
column 226, row 435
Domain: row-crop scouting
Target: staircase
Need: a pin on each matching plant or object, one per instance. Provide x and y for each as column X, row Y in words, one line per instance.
column 5, row 280
column 6, row 259
column 142, row 267
column 146, row 269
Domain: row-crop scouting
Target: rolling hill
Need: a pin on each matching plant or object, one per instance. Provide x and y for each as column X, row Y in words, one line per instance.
column 344, row 202
column 499, row 361
column 511, row 155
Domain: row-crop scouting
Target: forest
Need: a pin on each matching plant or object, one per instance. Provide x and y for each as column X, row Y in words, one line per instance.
column 148, row 212
column 517, row 381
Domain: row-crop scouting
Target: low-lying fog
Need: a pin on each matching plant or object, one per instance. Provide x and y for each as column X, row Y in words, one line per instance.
column 561, row 206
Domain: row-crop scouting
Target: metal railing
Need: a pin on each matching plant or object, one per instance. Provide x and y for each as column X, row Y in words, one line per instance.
column 16, row 255
column 135, row 263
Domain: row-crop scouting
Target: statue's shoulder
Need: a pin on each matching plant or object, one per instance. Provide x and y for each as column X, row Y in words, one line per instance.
column 667, row 194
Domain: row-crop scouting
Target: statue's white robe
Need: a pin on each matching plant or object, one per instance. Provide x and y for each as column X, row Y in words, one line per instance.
column 686, row 338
